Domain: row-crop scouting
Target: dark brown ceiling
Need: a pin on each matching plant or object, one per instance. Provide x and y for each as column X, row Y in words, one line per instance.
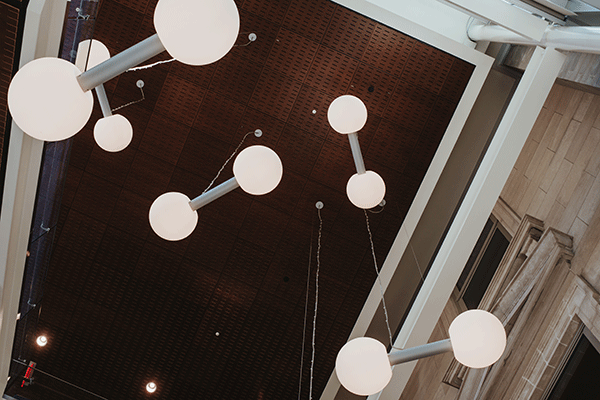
column 122, row 307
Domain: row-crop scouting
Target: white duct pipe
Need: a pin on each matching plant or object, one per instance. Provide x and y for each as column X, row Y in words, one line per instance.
column 581, row 39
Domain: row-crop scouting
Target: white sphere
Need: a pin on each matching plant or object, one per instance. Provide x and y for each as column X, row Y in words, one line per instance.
column 46, row 101
column 97, row 55
column 478, row 338
column 365, row 190
column 258, row 170
column 171, row 216
column 197, row 32
column 113, row 133
column 363, row 366
column 347, row 114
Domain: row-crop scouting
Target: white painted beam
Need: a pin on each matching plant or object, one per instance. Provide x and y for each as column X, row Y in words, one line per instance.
column 504, row 14
column 479, row 201
column 41, row 37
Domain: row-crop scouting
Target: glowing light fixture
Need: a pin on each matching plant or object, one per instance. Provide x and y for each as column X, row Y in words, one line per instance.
column 151, row 387
column 363, row 367
column 49, row 99
column 477, row 338
column 41, row 340
column 365, row 190
column 113, row 133
column 197, row 32
column 171, row 216
column 347, row 115
column 46, row 101
column 90, row 57
column 257, row 170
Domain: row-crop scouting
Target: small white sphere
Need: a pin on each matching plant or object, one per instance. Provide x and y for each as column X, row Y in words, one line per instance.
column 41, row 340
column 151, row 387
column 46, row 101
column 97, row 55
column 366, row 190
column 258, row 170
column 347, row 114
column 363, row 366
column 197, row 32
column 478, row 338
column 113, row 133
column 171, row 216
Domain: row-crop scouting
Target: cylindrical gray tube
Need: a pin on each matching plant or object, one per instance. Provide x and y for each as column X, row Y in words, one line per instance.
column 103, row 100
column 121, row 62
column 214, row 193
column 356, row 153
column 415, row 353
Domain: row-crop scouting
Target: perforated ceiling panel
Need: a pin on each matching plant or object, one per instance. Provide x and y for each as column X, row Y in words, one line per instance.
column 220, row 314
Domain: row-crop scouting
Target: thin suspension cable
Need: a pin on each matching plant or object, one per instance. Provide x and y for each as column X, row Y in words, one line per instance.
column 387, row 318
column 312, row 360
column 59, row 379
column 416, row 261
column 131, row 102
column 305, row 311
column 150, row 65
column 230, row 157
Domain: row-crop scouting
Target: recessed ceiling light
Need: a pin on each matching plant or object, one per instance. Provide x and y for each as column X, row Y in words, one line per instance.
column 151, row 387
column 41, row 340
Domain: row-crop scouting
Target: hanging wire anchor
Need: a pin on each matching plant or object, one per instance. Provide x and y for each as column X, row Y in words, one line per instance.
column 319, row 205
column 258, row 133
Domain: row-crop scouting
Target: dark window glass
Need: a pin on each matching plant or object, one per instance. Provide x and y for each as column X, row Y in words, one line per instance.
column 485, row 270
column 579, row 379
column 473, row 257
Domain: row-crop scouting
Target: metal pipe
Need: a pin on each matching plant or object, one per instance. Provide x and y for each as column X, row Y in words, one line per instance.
column 214, row 193
column 103, row 100
column 581, row 39
column 415, row 353
column 356, row 153
column 121, row 62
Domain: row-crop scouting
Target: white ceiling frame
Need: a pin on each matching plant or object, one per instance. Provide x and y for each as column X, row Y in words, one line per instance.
column 504, row 14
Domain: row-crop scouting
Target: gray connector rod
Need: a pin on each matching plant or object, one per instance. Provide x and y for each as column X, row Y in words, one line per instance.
column 415, row 353
column 214, row 193
column 356, row 153
column 120, row 63
column 103, row 100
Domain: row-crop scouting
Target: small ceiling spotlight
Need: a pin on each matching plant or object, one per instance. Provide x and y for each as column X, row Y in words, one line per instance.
column 151, row 387
column 257, row 170
column 347, row 115
column 477, row 339
column 41, row 340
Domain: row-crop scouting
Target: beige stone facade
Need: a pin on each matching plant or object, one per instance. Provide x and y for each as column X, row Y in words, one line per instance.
column 546, row 288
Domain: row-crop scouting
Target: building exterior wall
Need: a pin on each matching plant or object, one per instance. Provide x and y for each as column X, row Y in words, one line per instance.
column 550, row 205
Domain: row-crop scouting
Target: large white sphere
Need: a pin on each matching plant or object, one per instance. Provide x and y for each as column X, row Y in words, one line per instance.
column 197, row 32
column 347, row 114
column 257, row 169
column 46, row 101
column 97, row 54
column 113, row 133
column 171, row 216
column 478, row 338
column 363, row 366
column 365, row 190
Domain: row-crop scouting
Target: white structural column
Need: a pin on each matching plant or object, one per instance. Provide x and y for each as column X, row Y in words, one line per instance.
column 477, row 205
column 504, row 14
column 43, row 30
